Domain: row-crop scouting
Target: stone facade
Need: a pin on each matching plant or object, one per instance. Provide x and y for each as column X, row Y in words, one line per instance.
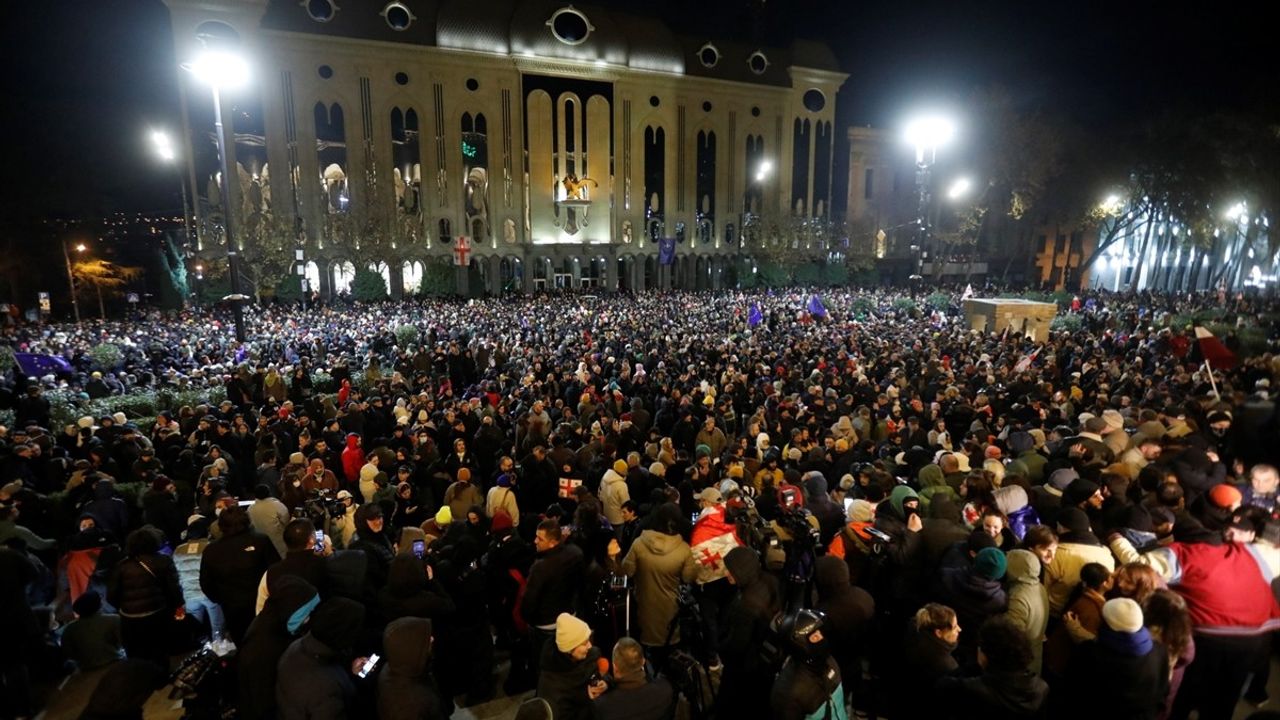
column 562, row 141
column 996, row 314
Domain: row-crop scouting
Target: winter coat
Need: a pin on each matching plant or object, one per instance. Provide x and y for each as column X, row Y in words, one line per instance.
column 461, row 497
column 352, row 459
column 501, row 498
column 974, row 598
column 1063, row 574
column 269, row 635
column 1012, row 500
column 636, row 699
column 377, row 548
column 1131, row 677
column 144, row 585
column 925, row 661
column 562, row 682
column 409, row 593
column 405, row 688
column 313, row 682
column 613, row 493
column 849, row 612
column 269, row 516
column 232, row 568
column 660, row 563
column 1028, row 601
column 803, row 689
column 187, row 558
column 109, row 510
column 94, row 641
column 744, row 687
column 1004, row 695
column 1058, row 649
column 553, row 585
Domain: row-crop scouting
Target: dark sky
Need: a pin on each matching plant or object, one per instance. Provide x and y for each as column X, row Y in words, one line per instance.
column 87, row 77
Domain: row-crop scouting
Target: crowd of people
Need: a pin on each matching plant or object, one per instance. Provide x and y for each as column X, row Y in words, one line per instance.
column 638, row 505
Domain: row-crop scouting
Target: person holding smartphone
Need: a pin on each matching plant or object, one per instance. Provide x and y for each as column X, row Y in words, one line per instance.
column 317, row 674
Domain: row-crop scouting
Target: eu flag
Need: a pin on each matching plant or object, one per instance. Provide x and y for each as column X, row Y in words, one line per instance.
column 40, row 364
column 753, row 315
column 816, row 308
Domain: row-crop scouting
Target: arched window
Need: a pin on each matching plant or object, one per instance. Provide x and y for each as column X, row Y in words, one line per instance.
column 406, row 160
column 331, row 157
column 344, row 273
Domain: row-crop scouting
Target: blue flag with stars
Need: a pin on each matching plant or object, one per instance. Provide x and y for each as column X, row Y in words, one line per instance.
column 815, row 307
column 753, row 315
column 40, row 364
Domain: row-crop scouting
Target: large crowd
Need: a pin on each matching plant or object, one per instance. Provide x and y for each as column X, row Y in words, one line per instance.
column 737, row 504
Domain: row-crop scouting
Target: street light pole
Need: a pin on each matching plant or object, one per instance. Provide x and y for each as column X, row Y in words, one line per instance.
column 71, row 279
column 926, row 135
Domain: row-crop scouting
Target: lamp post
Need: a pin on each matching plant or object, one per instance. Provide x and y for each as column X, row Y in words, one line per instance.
column 925, row 134
column 220, row 69
column 750, row 219
column 164, row 150
column 71, row 278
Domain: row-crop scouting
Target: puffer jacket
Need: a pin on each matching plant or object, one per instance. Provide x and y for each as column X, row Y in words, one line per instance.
column 659, row 562
column 1028, row 601
column 405, row 688
column 613, row 493
column 144, row 585
column 186, row 557
column 1013, row 501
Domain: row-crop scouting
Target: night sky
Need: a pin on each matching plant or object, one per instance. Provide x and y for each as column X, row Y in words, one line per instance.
column 87, row 77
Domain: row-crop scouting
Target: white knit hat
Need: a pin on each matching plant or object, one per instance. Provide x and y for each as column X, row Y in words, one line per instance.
column 1122, row 615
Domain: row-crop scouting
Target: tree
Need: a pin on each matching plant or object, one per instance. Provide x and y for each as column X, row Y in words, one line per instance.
column 368, row 286
column 103, row 275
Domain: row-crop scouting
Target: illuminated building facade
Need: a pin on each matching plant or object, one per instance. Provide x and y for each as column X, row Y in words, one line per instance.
column 563, row 142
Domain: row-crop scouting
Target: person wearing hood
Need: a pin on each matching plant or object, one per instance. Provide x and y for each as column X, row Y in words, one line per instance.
column 849, row 612
column 933, row 484
column 372, row 539
column 900, row 580
column 108, row 508
column 817, row 501
column 352, row 459
column 744, row 686
column 1006, row 688
column 1047, row 499
column 1028, row 602
column 1123, row 667
column 809, row 682
column 1077, row 547
column 368, row 482
column 1022, row 446
column 614, row 492
column 660, row 561
column 975, row 593
column 406, row 690
column 283, row 619
column 314, row 680
column 1013, row 502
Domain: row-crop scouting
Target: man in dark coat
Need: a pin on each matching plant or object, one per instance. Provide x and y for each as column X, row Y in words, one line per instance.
column 632, row 695
column 553, row 584
column 926, row 658
column 301, row 559
column 975, row 593
column 282, row 620
column 809, row 682
column 1006, row 689
column 744, row 689
column 849, row 611
column 315, row 672
column 232, row 567
column 405, row 688
column 372, row 539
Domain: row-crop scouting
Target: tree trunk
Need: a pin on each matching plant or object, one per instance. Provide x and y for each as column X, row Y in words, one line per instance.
column 102, row 309
column 1146, row 240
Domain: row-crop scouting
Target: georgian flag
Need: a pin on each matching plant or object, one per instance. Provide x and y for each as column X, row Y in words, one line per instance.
column 568, row 486
column 968, row 292
column 712, row 539
column 1213, row 351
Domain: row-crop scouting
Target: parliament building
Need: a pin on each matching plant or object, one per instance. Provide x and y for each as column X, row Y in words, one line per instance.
column 530, row 144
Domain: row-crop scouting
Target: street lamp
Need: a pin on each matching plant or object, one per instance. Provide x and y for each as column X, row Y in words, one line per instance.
column 167, row 153
column 925, row 134
column 221, row 69
column 959, row 188
column 71, row 278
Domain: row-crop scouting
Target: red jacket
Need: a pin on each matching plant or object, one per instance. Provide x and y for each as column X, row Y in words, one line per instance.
column 1227, row 587
column 352, row 459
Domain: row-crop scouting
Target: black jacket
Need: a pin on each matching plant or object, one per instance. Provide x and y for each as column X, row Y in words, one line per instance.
column 265, row 642
column 804, row 688
column 232, row 567
column 563, row 682
column 144, row 585
column 410, row 594
column 925, row 661
column 1018, row 695
column 849, row 612
column 553, row 585
column 1104, row 683
column 636, row 700
column 405, row 688
column 304, row 564
column 313, row 682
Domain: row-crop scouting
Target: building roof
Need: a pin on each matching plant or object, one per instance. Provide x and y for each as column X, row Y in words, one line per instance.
column 521, row 27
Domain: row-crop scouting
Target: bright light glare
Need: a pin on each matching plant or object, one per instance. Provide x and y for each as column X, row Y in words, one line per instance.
column 929, row 132
column 766, row 167
column 1111, row 204
column 81, row 248
column 220, row 69
column 959, row 188
column 1236, row 212
column 163, row 147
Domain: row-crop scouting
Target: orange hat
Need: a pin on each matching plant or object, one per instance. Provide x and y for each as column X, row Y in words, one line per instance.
column 1225, row 496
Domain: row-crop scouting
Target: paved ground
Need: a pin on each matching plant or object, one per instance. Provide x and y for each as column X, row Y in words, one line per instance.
column 65, row 703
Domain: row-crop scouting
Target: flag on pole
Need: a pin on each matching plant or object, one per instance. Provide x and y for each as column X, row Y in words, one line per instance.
column 1025, row 363
column 968, row 292
column 815, row 307
column 1213, row 351
column 667, row 251
column 41, row 364
column 754, row 316
column 712, row 539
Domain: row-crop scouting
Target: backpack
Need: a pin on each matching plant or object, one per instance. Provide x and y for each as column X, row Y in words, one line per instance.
column 691, row 679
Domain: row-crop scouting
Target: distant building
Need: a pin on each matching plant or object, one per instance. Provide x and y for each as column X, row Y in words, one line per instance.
column 563, row 141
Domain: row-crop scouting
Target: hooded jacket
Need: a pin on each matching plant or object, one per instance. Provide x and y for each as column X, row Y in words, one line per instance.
column 830, row 516
column 934, row 484
column 749, row 613
column 1028, row 601
column 352, row 459
column 849, row 612
column 1012, row 500
column 314, row 680
column 660, row 563
column 409, row 593
column 281, row 621
column 405, row 688
column 376, row 546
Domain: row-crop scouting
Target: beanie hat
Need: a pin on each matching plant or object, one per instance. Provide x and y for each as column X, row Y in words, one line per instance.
column 990, row 563
column 992, row 452
column 1059, row 479
column 1020, row 442
column 120, row 418
column 1113, row 419
column 89, row 603
column 620, row 467
column 1225, row 496
column 570, row 632
column 1078, row 491
column 444, row 515
column 297, row 458
column 842, row 445
column 504, row 480
column 702, row 451
column 1037, row 436
column 501, row 521
column 1122, row 615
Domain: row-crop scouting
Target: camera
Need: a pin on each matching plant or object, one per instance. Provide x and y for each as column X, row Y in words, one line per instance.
column 321, row 504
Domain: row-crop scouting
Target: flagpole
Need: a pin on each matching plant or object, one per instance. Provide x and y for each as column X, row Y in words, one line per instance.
column 1212, row 383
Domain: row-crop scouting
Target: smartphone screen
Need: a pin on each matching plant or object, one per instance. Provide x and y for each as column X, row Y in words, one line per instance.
column 419, row 547
column 319, row 541
column 368, row 666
